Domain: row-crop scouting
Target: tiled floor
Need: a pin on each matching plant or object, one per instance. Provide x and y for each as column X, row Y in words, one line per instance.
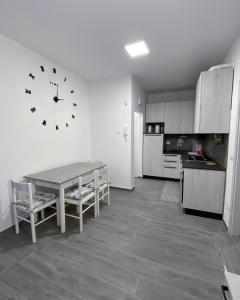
column 142, row 247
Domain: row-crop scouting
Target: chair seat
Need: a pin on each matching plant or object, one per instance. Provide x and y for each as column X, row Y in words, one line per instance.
column 85, row 198
column 39, row 199
column 75, row 194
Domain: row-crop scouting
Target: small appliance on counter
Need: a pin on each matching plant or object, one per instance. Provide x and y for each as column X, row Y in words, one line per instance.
column 154, row 128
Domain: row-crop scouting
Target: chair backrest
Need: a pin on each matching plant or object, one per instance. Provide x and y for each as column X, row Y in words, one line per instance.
column 88, row 179
column 22, row 191
column 103, row 175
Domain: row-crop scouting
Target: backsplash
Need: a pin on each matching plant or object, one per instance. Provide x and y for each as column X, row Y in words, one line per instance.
column 182, row 142
column 217, row 152
column 186, row 143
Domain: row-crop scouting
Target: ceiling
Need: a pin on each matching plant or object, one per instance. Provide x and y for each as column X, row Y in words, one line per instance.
column 88, row 37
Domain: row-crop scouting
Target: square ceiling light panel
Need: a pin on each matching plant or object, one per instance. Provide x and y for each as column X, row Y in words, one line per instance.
column 137, row 49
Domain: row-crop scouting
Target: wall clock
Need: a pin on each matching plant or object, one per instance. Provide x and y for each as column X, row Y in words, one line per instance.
column 51, row 98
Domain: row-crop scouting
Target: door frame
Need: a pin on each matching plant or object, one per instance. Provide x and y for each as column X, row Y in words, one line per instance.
column 138, row 145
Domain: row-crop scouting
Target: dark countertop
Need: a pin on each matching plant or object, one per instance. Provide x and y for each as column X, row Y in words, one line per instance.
column 196, row 164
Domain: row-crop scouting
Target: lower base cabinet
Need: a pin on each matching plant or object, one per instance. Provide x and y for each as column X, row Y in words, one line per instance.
column 204, row 190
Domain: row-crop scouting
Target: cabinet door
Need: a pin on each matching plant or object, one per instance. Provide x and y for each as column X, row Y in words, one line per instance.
column 186, row 116
column 216, row 94
column 204, row 190
column 160, row 112
column 152, row 155
column 155, row 112
column 150, row 112
column 172, row 117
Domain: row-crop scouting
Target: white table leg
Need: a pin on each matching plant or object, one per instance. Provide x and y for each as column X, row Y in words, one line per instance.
column 62, row 209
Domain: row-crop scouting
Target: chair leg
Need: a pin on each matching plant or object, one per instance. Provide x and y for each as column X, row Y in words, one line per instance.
column 16, row 219
column 33, row 227
column 108, row 196
column 42, row 214
column 58, row 212
column 80, row 217
column 98, row 206
column 95, row 206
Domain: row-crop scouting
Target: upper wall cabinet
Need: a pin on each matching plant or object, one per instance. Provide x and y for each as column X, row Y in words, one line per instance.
column 213, row 101
column 177, row 116
column 172, row 117
column 186, row 116
column 155, row 113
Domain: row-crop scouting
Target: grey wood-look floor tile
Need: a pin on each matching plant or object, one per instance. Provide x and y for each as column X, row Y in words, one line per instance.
column 114, row 256
column 5, row 261
column 110, row 238
column 191, row 285
column 13, row 246
column 182, row 230
column 170, row 259
column 140, row 248
column 171, row 192
column 202, row 243
column 88, row 264
column 6, row 293
column 228, row 251
column 33, row 286
column 182, row 248
column 151, row 290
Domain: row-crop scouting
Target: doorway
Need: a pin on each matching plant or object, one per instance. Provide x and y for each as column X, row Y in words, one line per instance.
column 138, row 144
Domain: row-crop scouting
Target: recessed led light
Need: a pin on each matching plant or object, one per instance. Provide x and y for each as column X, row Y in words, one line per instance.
column 136, row 49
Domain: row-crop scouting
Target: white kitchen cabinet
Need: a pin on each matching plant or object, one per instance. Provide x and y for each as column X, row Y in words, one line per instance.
column 172, row 117
column 171, row 166
column 152, row 155
column 204, row 190
column 213, row 101
column 186, row 116
column 155, row 113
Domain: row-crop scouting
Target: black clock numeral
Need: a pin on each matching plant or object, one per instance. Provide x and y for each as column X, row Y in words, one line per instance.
column 31, row 75
column 75, row 104
column 54, row 70
column 73, row 116
column 42, row 68
column 67, row 125
column 44, row 123
column 33, row 109
column 57, row 128
column 53, row 83
column 65, row 78
column 72, row 91
column 28, row 91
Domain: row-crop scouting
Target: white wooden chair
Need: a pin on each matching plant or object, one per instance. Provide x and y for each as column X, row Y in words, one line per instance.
column 84, row 197
column 24, row 201
column 103, row 190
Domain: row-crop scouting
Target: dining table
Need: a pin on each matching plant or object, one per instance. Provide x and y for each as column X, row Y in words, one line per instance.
column 61, row 178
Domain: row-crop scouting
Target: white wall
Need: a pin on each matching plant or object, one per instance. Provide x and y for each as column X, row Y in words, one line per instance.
column 26, row 145
column 232, row 57
column 188, row 95
column 110, row 111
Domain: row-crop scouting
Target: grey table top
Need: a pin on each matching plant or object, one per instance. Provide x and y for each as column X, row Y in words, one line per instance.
column 65, row 173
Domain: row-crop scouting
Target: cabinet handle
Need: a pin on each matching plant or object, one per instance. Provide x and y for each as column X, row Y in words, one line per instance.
column 170, row 155
column 225, row 291
column 170, row 161
column 170, row 167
